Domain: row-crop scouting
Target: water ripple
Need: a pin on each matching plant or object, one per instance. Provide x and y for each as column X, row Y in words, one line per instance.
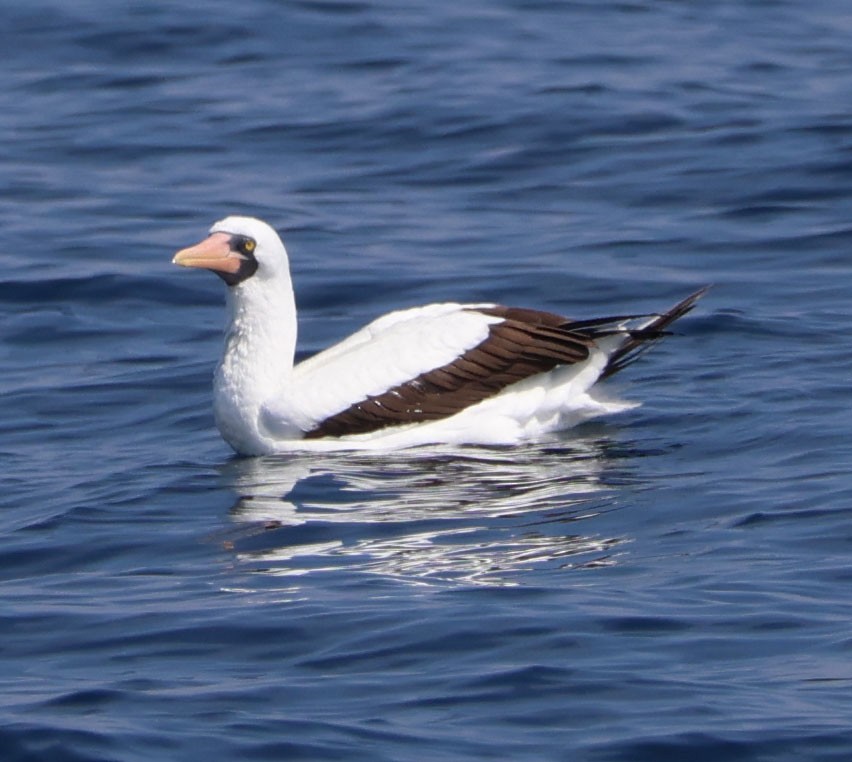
column 470, row 516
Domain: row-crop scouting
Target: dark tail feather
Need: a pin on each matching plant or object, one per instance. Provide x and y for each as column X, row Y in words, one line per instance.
column 643, row 339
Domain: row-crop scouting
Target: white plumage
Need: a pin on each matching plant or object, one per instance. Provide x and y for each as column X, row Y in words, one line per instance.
column 454, row 373
column 389, row 351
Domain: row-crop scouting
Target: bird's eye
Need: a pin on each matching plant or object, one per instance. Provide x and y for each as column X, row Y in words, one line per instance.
column 249, row 245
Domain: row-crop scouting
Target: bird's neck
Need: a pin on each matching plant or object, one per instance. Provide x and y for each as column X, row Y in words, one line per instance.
column 257, row 362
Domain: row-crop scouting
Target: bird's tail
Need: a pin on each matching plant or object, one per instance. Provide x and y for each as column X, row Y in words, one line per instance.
column 639, row 339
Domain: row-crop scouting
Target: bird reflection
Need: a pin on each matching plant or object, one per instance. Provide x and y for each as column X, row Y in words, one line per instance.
column 444, row 515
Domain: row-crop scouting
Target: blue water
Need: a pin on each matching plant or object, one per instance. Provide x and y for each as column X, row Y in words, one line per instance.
column 669, row 584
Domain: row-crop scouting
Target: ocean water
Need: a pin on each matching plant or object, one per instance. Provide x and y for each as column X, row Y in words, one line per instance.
column 663, row 585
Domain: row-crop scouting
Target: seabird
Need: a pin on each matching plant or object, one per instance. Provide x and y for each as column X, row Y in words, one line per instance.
column 441, row 373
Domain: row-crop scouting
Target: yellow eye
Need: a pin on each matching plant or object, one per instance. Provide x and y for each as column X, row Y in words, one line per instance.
column 249, row 245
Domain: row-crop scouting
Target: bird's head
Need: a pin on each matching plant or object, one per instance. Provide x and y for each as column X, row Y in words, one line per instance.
column 239, row 250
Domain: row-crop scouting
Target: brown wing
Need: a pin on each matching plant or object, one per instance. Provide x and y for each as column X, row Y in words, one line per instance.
column 526, row 343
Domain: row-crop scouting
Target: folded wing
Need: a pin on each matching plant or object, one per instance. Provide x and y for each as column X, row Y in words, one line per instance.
column 432, row 362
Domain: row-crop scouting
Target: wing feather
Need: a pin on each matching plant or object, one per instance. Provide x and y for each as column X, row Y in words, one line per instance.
column 512, row 349
column 430, row 363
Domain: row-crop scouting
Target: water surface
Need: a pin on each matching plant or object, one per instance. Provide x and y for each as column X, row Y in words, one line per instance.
column 666, row 584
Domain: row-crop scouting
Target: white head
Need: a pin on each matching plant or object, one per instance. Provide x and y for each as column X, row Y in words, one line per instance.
column 243, row 251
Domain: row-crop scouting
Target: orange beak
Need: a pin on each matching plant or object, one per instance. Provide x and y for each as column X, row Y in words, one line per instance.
column 213, row 253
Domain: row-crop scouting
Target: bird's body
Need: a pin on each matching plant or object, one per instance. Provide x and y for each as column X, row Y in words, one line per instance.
column 442, row 373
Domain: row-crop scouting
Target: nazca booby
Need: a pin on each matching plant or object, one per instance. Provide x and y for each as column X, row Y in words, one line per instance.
column 442, row 373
